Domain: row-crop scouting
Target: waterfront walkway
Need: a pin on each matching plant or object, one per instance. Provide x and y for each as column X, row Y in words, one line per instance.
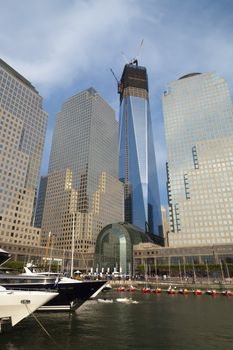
column 202, row 283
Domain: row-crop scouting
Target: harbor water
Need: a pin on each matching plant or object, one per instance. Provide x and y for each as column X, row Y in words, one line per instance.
column 157, row 321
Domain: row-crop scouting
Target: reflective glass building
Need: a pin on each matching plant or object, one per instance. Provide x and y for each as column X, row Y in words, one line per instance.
column 137, row 164
column 23, row 124
column 198, row 119
column 40, row 201
column 83, row 191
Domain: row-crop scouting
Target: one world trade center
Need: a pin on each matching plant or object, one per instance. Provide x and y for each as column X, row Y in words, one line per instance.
column 137, row 163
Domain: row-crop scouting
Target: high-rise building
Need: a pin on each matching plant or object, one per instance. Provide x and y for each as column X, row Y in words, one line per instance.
column 83, row 191
column 40, row 201
column 137, row 163
column 198, row 119
column 22, row 133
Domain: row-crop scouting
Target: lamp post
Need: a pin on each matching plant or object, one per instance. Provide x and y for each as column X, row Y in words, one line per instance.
column 63, row 261
column 194, row 274
column 51, row 250
column 180, row 272
column 184, row 264
column 73, row 209
column 207, row 271
column 72, row 247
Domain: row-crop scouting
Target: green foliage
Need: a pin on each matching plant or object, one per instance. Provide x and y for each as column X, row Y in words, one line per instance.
column 16, row 265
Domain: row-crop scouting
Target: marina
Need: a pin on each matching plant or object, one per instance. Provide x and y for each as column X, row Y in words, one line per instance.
column 116, row 184
column 174, row 290
column 156, row 321
column 72, row 293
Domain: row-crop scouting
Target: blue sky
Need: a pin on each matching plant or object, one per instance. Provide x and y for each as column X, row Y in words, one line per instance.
column 66, row 46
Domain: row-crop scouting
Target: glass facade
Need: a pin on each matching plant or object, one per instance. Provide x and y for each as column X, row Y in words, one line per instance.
column 85, row 140
column 148, row 254
column 114, row 247
column 23, row 124
column 41, row 201
column 137, row 164
column 198, row 119
column 83, row 171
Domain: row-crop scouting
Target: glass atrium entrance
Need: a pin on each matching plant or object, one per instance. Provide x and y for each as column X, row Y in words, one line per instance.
column 114, row 248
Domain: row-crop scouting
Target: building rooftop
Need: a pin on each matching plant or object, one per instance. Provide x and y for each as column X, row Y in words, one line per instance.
column 189, row 75
column 6, row 66
column 133, row 76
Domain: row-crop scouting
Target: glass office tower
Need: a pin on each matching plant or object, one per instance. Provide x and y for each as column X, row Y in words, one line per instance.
column 137, row 164
column 198, row 119
column 23, row 124
column 83, row 191
column 85, row 139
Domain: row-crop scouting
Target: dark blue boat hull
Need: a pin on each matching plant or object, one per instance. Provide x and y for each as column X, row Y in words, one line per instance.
column 71, row 295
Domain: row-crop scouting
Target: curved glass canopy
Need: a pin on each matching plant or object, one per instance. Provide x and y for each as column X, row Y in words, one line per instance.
column 114, row 247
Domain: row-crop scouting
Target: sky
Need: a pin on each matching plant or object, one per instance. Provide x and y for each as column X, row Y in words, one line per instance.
column 65, row 46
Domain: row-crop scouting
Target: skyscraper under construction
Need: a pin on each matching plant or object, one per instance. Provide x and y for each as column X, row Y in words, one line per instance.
column 137, row 163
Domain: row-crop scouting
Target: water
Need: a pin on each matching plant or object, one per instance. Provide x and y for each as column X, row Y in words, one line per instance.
column 157, row 322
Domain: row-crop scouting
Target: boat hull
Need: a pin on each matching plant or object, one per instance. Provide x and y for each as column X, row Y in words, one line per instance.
column 16, row 305
column 71, row 295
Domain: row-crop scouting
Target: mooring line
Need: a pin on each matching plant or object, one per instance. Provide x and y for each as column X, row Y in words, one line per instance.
column 43, row 328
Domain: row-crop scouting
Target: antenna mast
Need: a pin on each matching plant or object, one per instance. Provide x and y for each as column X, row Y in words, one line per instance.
column 135, row 60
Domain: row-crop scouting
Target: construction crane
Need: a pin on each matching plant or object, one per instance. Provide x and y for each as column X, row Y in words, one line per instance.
column 132, row 61
column 119, row 84
column 114, row 75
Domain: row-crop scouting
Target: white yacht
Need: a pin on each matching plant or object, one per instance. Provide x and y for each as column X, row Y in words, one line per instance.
column 72, row 293
column 16, row 305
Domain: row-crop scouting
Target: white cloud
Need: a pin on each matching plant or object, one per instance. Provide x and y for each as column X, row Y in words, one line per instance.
column 51, row 44
column 66, row 46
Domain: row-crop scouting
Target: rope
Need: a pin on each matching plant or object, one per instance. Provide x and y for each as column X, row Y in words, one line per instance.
column 40, row 324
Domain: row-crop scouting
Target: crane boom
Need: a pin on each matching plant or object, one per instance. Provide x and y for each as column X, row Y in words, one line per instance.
column 119, row 85
column 114, row 75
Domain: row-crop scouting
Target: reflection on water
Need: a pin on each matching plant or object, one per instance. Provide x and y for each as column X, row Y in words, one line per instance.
column 158, row 322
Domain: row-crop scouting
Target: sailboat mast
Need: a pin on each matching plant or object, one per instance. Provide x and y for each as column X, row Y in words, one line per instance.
column 72, row 248
column 180, row 273
column 207, row 271
column 220, row 262
column 194, row 274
